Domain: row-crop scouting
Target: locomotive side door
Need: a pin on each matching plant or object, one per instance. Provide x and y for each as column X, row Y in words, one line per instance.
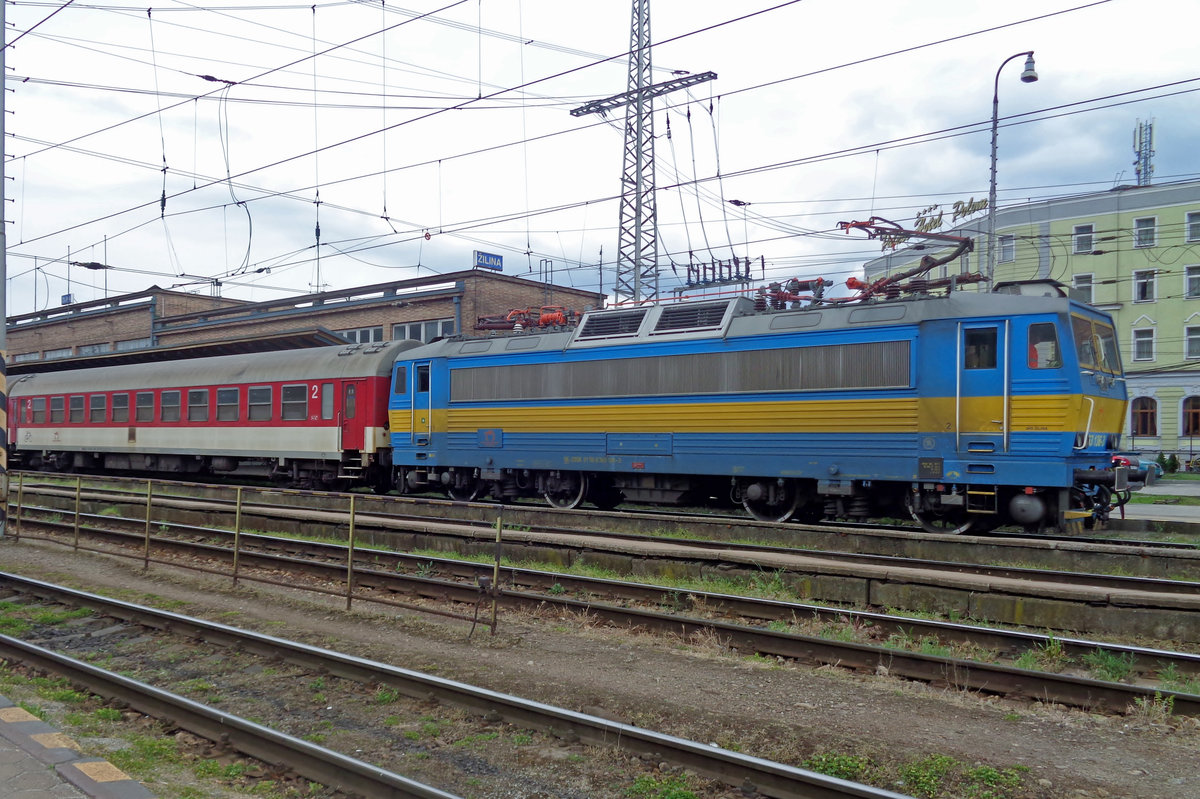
column 422, row 404
column 982, row 387
column 352, row 415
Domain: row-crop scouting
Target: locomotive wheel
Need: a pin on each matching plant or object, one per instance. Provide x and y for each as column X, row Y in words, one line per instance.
column 603, row 494
column 953, row 522
column 569, row 492
column 779, row 511
column 468, row 493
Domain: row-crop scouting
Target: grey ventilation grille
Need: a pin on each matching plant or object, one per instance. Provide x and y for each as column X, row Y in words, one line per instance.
column 693, row 316
column 612, row 324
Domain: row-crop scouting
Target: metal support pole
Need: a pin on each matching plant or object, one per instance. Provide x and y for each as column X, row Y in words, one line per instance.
column 350, row 558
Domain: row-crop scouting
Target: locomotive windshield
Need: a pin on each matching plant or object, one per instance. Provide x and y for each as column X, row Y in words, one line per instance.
column 1096, row 344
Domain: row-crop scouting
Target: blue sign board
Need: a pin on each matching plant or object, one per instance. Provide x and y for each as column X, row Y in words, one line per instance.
column 489, row 261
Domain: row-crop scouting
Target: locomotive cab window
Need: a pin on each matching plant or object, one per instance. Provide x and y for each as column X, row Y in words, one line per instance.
column 197, row 405
column 145, row 406
column 294, row 402
column 1044, row 352
column 227, row 404
column 58, row 410
column 423, row 378
column 120, row 408
column 258, row 403
column 168, row 406
column 39, row 410
column 400, row 380
column 979, row 348
column 76, row 415
column 97, row 409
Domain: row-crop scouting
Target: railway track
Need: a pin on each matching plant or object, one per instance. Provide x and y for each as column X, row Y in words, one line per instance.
column 148, row 630
column 810, row 636
column 1049, row 599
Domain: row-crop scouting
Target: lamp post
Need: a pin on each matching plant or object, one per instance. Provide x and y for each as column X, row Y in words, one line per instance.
column 1029, row 75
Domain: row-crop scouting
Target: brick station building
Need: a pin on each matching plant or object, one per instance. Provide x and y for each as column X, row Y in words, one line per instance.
column 145, row 325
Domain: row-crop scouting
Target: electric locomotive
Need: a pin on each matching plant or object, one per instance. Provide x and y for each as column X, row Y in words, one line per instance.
column 967, row 411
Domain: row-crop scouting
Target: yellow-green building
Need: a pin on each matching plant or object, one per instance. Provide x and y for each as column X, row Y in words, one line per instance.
column 1133, row 251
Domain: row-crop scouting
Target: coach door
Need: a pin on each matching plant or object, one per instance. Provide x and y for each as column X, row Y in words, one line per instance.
column 982, row 393
column 422, row 404
column 353, row 413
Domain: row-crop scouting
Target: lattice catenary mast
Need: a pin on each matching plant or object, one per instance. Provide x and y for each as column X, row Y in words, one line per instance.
column 637, row 252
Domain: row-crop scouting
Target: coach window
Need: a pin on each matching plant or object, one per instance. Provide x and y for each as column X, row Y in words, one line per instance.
column 294, row 402
column 1043, row 346
column 350, row 406
column 120, row 408
column 227, row 404
column 145, row 406
column 258, row 403
column 168, row 406
column 327, row 400
column 76, row 410
column 979, row 348
column 39, row 410
column 97, row 406
column 58, row 410
column 198, row 405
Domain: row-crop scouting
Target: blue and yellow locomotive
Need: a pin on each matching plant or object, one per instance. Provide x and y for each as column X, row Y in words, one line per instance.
column 967, row 411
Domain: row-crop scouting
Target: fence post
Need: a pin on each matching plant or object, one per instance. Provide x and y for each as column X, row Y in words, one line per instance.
column 146, row 553
column 350, row 558
column 78, row 490
column 496, row 567
column 237, row 534
column 20, row 502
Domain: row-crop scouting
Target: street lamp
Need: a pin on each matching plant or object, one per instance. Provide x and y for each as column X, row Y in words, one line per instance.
column 1029, row 75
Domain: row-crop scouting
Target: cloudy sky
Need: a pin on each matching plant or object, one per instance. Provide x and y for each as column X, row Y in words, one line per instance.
column 415, row 134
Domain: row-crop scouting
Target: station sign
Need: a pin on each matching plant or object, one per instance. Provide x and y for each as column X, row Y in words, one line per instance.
column 489, row 261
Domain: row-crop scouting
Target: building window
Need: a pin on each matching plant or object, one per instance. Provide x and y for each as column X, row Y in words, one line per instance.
column 1191, row 282
column 294, row 402
column 1082, row 284
column 1143, row 344
column 227, row 404
column 62, row 352
column 120, row 408
column 1144, row 234
column 134, row 344
column 39, row 410
column 1008, row 249
column 144, row 411
column 95, row 349
column 26, row 356
column 425, row 331
column 198, row 405
column 1081, row 239
column 362, row 335
column 1193, row 226
column 1191, row 416
column 1143, row 285
column 96, row 409
column 258, row 403
column 1192, row 342
column 1144, row 417
column 168, row 406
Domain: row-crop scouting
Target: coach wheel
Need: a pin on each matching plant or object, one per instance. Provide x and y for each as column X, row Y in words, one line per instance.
column 566, row 491
column 776, row 505
column 948, row 522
